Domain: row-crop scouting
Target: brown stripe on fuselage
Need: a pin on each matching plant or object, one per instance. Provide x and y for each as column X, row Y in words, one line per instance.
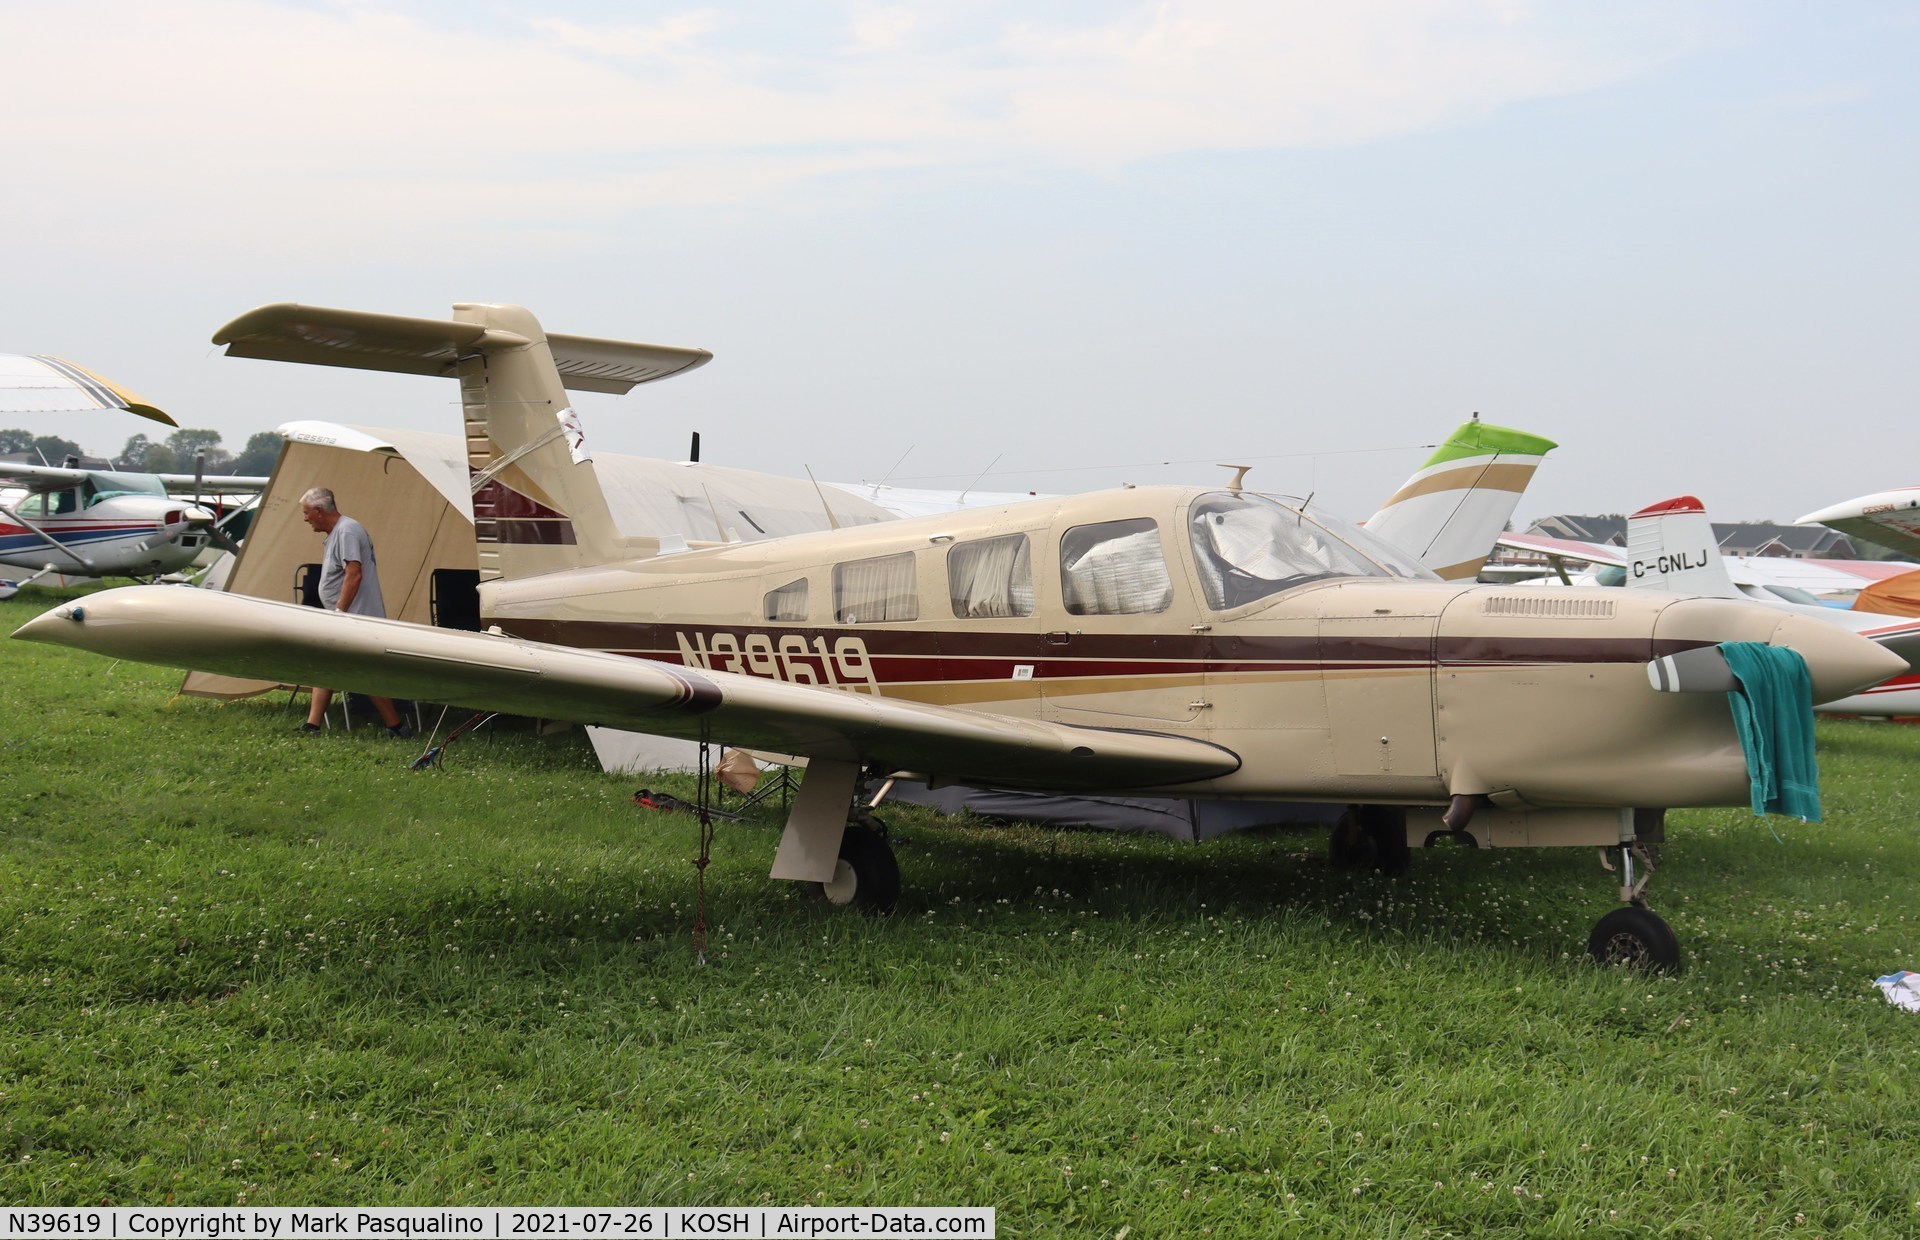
column 949, row 656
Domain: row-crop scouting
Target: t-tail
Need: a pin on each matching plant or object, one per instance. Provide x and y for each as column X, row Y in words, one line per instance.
column 1671, row 547
column 1454, row 507
column 537, row 504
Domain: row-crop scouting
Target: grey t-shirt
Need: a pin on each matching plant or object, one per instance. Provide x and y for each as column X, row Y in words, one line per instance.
column 349, row 540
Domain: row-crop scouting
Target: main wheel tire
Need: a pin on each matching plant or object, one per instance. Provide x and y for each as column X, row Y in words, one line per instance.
column 1635, row 938
column 866, row 876
column 1371, row 837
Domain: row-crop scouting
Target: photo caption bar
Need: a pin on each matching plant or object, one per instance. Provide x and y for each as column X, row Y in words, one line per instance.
column 496, row 1223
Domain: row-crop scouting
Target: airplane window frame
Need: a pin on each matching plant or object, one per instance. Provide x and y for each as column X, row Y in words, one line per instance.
column 1014, row 589
column 1303, row 549
column 890, row 612
column 773, row 611
column 1072, row 556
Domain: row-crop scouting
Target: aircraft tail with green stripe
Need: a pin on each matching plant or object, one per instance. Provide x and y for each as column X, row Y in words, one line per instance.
column 1449, row 513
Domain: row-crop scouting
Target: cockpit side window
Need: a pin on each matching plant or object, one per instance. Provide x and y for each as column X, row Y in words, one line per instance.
column 1115, row 568
column 1247, row 547
column 876, row 591
column 787, row 604
column 991, row 577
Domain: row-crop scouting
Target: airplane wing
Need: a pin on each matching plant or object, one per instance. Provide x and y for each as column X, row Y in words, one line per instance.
column 40, row 477
column 41, row 384
column 265, row 640
column 1564, row 548
column 1888, row 518
column 212, row 484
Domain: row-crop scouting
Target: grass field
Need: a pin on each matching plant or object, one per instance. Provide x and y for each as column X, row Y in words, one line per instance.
column 241, row 966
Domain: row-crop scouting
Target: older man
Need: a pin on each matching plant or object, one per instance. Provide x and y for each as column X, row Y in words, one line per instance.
column 349, row 581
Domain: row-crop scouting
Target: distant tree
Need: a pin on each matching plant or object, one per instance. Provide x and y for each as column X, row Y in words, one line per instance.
column 54, row 448
column 186, row 444
column 134, row 455
column 258, row 457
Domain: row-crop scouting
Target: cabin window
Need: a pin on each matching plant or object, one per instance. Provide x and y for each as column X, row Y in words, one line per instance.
column 1115, row 568
column 1247, row 547
column 49, row 504
column 991, row 577
column 789, row 602
column 875, row 591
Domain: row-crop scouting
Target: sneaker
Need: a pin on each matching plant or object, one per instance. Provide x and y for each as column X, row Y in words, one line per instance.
column 308, row 729
column 401, row 732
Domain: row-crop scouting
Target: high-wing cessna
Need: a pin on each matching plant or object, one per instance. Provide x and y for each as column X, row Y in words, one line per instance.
column 1179, row 641
column 92, row 522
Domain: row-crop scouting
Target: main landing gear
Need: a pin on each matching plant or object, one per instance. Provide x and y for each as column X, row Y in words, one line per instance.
column 866, row 876
column 1371, row 837
column 1634, row 936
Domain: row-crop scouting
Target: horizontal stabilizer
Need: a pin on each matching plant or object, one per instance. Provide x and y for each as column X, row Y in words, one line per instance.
column 264, row 640
column 320, row 336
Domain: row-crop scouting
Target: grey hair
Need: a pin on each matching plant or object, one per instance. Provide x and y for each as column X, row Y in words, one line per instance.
column 319, row 497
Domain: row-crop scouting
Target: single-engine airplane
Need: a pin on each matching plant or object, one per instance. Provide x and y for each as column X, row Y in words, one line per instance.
column 1179, row 641
column 97, row 522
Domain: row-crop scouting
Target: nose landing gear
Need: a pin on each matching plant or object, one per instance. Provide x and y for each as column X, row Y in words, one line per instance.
column 1634, row 936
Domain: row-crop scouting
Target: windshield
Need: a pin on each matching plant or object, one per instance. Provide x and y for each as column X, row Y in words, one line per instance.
column 1249, row 546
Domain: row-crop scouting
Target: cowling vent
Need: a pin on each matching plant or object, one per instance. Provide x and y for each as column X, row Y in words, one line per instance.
column 1546, row 606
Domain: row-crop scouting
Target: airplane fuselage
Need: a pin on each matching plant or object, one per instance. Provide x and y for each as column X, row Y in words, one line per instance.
column 113, row 536
column 1340, row 686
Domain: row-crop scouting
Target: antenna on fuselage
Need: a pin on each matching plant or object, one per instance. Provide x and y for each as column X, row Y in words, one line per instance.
column 831, row 521
column 976, row 481
column 693, row 452
column 1239, row 476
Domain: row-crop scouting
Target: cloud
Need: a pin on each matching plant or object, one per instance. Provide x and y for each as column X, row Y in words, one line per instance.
column 262, row 122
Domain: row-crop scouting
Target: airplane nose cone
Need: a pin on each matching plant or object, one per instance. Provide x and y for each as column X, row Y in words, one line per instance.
column 1840, row 661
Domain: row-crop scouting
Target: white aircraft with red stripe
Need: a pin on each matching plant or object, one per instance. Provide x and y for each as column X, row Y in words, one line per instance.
column 97, row 522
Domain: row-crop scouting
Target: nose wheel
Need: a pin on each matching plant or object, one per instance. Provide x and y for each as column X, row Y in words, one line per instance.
column 1634, row 937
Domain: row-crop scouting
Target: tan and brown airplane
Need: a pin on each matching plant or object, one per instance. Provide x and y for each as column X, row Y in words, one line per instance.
column 1158, row 640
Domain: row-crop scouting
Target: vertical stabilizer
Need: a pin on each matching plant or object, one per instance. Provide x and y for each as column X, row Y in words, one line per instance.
column 537, row 503
column 1670, row 546
column 1449, row 513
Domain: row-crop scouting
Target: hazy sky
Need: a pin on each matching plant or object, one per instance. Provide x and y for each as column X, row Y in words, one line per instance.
column 1081, row 238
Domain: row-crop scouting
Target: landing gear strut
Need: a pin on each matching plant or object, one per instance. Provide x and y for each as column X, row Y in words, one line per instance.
column 1634, row 936
column 1371, row 837
column 866, row 875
